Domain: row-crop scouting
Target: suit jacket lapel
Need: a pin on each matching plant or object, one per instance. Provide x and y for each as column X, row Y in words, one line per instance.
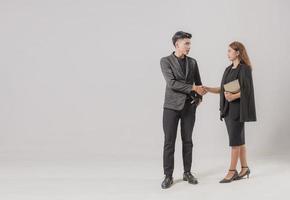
column 178, row 67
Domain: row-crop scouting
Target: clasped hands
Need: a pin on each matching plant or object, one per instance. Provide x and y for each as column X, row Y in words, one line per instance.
column 202, row 90
column 199, row 89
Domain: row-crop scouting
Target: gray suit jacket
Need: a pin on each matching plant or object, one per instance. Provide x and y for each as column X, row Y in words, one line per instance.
column 178, row 84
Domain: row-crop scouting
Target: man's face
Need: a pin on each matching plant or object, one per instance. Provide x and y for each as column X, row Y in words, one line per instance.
column 183, row 45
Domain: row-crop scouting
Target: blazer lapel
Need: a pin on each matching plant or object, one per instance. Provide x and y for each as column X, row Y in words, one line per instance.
column 177, row 66
column 224, row 76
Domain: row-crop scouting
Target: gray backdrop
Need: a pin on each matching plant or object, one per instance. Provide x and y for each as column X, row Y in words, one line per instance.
column 81, row 79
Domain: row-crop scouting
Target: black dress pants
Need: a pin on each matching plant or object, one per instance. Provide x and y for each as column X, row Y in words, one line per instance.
column 186, row 116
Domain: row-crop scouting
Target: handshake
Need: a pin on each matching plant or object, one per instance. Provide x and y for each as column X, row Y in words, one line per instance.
column 200, row 89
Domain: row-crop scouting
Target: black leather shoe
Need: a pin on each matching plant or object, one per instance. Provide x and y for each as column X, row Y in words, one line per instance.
column 234, row 177
column 167, row 182
column 187, row 176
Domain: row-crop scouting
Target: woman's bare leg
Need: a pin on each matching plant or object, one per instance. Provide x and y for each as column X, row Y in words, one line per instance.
column 243, row 159
column 235, row 153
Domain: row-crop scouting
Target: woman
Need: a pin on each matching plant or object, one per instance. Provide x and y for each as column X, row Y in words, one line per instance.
column 237, row 108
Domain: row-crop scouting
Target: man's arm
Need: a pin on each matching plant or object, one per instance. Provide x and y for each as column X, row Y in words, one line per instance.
column 170, row 79
column 197, row 80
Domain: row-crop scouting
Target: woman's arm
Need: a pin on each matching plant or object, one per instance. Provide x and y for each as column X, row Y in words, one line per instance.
column 215, row 90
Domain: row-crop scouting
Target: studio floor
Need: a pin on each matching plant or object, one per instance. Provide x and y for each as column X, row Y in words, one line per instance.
column 136, row 179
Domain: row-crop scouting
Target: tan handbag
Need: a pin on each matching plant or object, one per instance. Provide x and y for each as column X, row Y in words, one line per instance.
column 232, row 87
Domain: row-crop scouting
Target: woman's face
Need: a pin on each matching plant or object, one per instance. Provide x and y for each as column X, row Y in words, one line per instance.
column 232, row 54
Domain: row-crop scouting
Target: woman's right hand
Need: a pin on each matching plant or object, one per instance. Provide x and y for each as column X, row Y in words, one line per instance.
column 215, row 90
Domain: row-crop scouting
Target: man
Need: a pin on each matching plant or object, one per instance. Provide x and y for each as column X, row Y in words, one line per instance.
column 183, row 94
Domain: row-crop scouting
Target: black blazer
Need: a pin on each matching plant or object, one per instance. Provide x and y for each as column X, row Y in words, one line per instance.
column 243, row 109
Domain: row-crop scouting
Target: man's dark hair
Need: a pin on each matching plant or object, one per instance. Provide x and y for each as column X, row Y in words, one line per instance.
column 180, row 35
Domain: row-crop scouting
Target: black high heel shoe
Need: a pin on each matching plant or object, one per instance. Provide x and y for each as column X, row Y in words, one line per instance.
column 234, row 177
column 247, row 173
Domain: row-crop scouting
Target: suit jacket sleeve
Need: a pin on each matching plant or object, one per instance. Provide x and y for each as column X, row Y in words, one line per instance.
column 197, row 80
column 247, row 99
column 171, row 82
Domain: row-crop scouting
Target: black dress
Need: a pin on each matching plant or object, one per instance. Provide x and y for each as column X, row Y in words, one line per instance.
column 235, row 128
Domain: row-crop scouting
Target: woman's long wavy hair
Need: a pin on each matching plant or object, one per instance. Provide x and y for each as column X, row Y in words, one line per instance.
column 243, row 55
